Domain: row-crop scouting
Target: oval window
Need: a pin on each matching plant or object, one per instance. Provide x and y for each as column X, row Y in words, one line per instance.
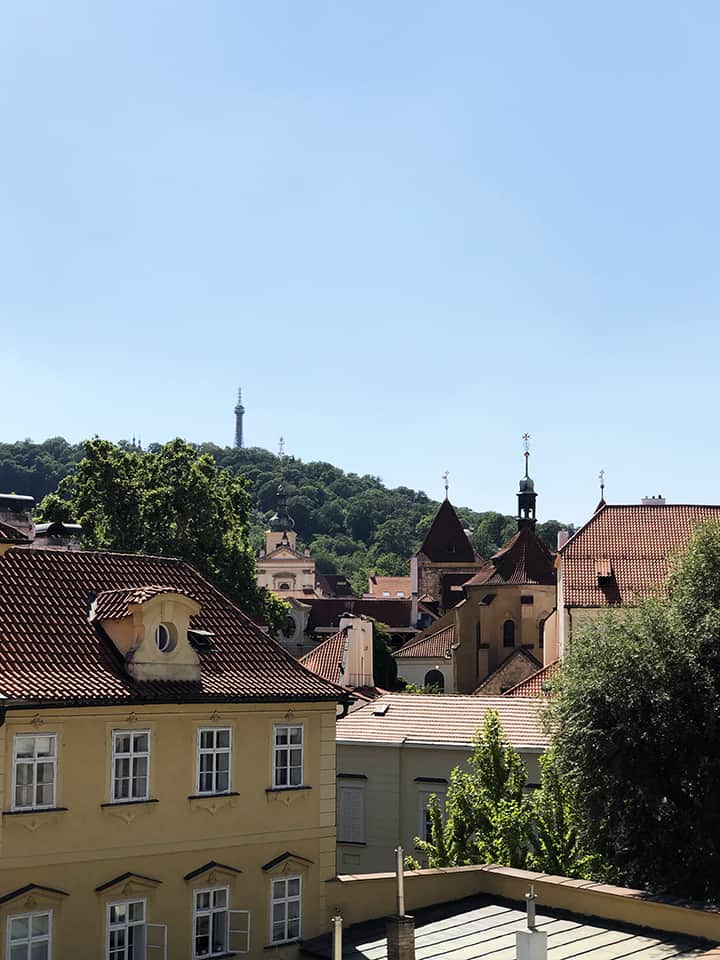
column 163, row 638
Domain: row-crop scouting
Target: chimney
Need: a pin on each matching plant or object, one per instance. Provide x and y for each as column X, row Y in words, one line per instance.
column 531, row 944
column 359, row 660
column 400, row 927
column 658, row 501
column 57, row 536
column 562, row 538
column 17, row 510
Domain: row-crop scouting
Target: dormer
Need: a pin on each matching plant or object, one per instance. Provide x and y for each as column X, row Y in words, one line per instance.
column 149, row 626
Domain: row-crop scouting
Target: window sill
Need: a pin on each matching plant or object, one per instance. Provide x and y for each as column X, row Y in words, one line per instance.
column 215, row 796
column 282, row 943
column 33, row 810
column 352, row 843
column 127, row 803
column 301, row 786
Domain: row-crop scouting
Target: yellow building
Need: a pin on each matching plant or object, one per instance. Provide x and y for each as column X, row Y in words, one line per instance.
column 167, row 771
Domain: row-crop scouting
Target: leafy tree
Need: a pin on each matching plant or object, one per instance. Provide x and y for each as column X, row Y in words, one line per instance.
column 384, row 664
column 172, row 502
column 486, row 809
column 637, row 732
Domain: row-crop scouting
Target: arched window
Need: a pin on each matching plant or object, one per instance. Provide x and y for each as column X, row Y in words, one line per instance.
column 284, row 586
column 434, row 678
column 509, row 633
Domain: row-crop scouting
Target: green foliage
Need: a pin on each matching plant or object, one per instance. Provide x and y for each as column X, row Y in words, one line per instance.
column 486, row 809
column 407, row 687
column 170, row 502
column 384, row 663
column 637, row 732
column 353, row 525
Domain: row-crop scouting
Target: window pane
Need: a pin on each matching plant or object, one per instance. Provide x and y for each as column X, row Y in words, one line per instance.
column 18, row 953
column 39, row 951
column 45, row 795
column 45, row 746
column 137, row 911
column 295, row 776
column 136, row 942
column 223, row 738
column 278, row 913
column 296, row 735
column 19, row 928
column 293, row 929
column 293, row 909
column 202, row 900
column 40, row 925
column 25, row 747
column 223, row 761
column 279, row 889
column 140, row 766
column 281, row 735
column 219, row 935
column 293, row 887
column 220, row 898
column 23, row 774
column 279, row 931
column 122, row 743
column 141, row 742
column 139, row 788
column 205, row 783
column 45, row 772
column 122, row 768
column 206, row 762
column 206, row 739
column 223, row 782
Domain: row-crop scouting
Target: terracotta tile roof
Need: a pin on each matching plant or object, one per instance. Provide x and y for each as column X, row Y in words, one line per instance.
column 533, row 686
column 442, row 719
column 518, row 654
column 524, row 559
column 115, row 604
column 637, row 541
column 446, row 540
column 434, row 645
column 327, row 660
column 49, row 651
column 392, row 586
column 326, row 612
column 11, row 534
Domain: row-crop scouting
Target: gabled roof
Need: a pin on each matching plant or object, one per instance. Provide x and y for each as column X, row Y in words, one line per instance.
column 537, row 684
column 442, row 719
column 639, row 542
column 115, row 604
column 51, row 653
column 496, row 677
column 11, row 534
column 432, row 644
column 523, row 559
column 446, row 540
column 328, row 658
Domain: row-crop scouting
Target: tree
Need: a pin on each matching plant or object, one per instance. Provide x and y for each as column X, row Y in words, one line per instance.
column 172, row 502
column 637, row 732
column 486, row 809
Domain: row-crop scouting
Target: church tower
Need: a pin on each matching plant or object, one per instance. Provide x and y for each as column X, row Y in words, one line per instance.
column 526, row 495
column 239, row 413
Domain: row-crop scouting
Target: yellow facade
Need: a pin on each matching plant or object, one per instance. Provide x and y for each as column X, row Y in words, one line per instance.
column 90, row 852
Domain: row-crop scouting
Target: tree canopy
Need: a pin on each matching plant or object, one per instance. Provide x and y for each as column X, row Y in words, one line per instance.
column 352, row 524
column 171, row 502
column 637, row 732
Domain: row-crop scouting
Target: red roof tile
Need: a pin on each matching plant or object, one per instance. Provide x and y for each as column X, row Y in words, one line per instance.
column 638, row 542
column 446, row 540
column 327, row 660
column 434, row 645
column 523, row 559
column 392, row 586
column 49, row 651
column 537, row 684
column 518, row 654
column 442, row 719
column 115, row 604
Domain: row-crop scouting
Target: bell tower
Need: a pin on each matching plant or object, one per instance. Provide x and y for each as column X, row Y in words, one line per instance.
column 526, row 495
column 239, row 413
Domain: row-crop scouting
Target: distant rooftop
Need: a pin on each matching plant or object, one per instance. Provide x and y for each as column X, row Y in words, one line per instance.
column 484, row 928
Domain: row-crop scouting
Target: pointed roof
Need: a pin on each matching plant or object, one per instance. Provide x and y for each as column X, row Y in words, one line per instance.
column 434, row 643
column 446, row 540
column 523, row 559
column 328, row 659
column 538, row 684
column 495, row 679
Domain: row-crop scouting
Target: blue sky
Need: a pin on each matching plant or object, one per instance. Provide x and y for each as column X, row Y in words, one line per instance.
column 412, row 231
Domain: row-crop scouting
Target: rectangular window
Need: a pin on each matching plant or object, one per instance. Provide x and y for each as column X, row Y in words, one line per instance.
column 214, row 750
column 350, row 814
column 425, row 831
column 35, row 761
column 126, row 931
column 131, row 765
column 288, row 756
column 210, row 922
column 285, row 909
column 29, row 936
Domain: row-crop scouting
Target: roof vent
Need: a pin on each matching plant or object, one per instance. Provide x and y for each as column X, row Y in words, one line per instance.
column 380, row 709
column 658, row 501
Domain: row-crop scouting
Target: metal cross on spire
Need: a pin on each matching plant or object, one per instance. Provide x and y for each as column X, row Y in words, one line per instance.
column 445, row 478
column 526, row 448
column 281, row 448
column 601, row 477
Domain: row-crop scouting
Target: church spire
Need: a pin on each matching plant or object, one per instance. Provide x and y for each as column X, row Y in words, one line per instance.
column 239, row 413
column 526, row 495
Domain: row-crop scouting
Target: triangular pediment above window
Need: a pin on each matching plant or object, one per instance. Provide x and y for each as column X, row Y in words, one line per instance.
column 287, row 863
column 33, row 895
column 213, row 872
column 128, row 884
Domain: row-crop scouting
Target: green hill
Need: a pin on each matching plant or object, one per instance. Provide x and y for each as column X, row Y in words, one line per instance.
column 352, row 524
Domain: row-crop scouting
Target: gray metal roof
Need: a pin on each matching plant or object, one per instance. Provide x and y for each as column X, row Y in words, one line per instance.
column 480, row 927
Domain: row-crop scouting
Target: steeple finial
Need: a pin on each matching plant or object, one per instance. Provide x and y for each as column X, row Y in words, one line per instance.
column 601, row 478
column 526, row 448
column 447, row 485
column 281, row 448
column 239, row 413
column 526, row 496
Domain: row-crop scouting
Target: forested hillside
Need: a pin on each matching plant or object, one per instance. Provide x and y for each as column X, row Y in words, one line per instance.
column 352, row 524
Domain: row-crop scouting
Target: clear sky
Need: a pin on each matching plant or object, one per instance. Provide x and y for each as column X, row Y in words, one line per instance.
column 410, row 230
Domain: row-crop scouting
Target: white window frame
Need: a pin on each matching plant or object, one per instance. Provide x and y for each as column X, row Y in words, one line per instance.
column 209, row 913
column 342, row 827
column 125, row 926
column 34, row 761
column 286, row 900
column 133, row 754
column 213, row 751
column 28, row 942
column 279, row 748
column 424, row 802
